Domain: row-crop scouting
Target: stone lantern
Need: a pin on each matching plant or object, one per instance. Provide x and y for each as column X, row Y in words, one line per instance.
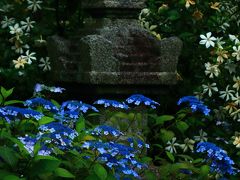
column 113, row 49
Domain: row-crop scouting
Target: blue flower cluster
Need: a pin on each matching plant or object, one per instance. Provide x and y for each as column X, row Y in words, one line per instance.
column 117, row 156
column 195, row 104
column 30, row 142
column 59, row 134
column 50, row 134
column 40, row 87
column 9, row 112
column 73, row 109
column 41, row 102
column 137, row 99
column 220, row 162
column 138, row 142
column 106, row 130
column 113, row 103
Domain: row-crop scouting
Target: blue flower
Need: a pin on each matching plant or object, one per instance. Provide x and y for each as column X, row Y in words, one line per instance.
column 73, row 109
column 41, row 102
column 113, row 103
column 220, row 162
column 29, row 143
column 10, row 112
column 195, row 104
column 106, row 130
column 59, row 134
column 40, row 87
column 116, row 156
column 138, row 142
column 137, row 99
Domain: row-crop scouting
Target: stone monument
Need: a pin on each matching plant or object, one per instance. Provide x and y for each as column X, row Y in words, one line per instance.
column 113, row 49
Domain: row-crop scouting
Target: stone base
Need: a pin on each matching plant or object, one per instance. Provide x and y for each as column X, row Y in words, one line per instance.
column 138, row 78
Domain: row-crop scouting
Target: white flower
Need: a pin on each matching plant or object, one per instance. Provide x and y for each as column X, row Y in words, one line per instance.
column 236, row 53
column 29, row 57
column 6, row 22
column 237, row 82
column 34, row 5
column 230, row 66
column 188, row 143
column 230, row 107
column 28, row 25
column 236, row 99
column 209, row 88
column 234, row 38
column 45, row 64
column 226, row 94
column 172, row 145
column 213, row 70
column 224, row 26
column 18, row 48
column 16, row 29
column 236, row 115
column 221, row 55
column 207, row 40
column 219, row 42
column 202, row 136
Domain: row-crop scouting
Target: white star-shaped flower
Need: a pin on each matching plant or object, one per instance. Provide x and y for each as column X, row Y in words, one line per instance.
column 207, row 40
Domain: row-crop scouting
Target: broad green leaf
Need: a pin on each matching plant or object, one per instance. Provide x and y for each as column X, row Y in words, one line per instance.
column 150, row 175
column 11, row 177
column 6, row 103
column 60, row 172
column 205, row 170
column 4, row 173
column 182, row 126
column 45, row 120
column 9, row 156
column 173, row 15
column 5, row 93
column 100, row 171
column 80, row 125
column 166, row 135
column 55, row 103
column 44, row 166
column 20, row 145
column 170, row 156
column 39, row 157
column 161, row 119
column 92, row 177
column 121, row 115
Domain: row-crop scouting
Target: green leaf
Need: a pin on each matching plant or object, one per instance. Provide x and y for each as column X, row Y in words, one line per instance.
column 170, row 156
column 9, row 156
column 121, row 115
column 166, row 135
column 44, row 166
column 173, row 15
column 161, row 119
column 80, row 125
column 92, row 177
column 20, row 145
column 150, row 175
column 60, row 172
column 11, row 177
column 182, row 126
column 12, row 102
column 55, row 103
column 5, row 93
column 4, row 173
column 45, row 120
column 204, row 170
column 100, row 171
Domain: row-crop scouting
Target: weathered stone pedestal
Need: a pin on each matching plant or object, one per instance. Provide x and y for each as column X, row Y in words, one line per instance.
column 113, row 49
